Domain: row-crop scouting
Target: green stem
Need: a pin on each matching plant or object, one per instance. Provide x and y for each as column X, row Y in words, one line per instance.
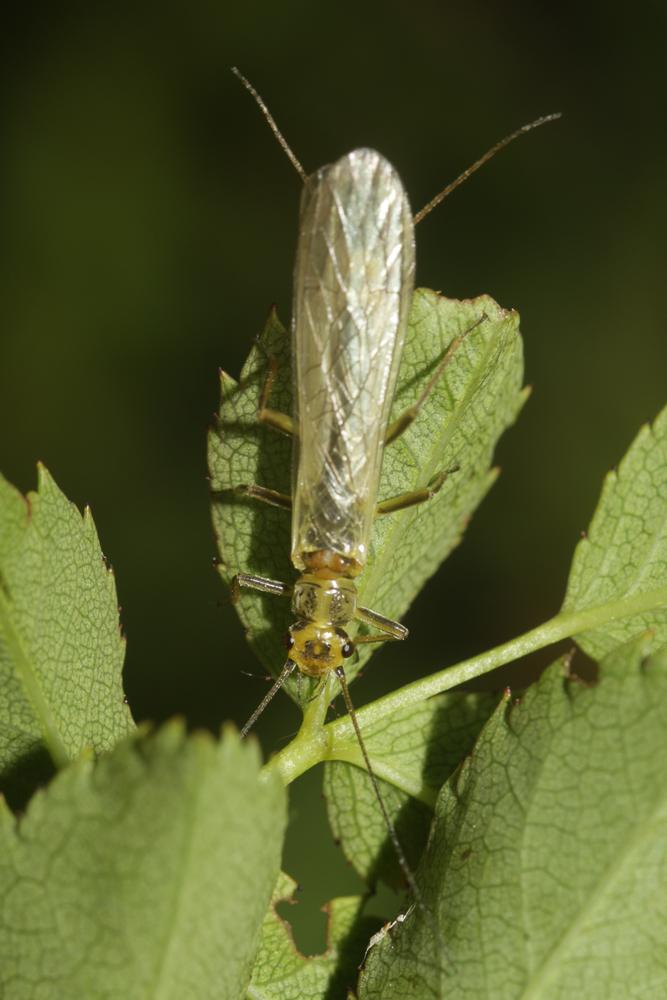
column 312, row 743
column 311, row 747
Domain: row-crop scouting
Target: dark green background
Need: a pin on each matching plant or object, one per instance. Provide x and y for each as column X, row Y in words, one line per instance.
column 149, row 220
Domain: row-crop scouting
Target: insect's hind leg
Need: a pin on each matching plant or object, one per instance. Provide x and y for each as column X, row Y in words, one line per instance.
column 402, row 422
column 413, row 497
column 281, row 422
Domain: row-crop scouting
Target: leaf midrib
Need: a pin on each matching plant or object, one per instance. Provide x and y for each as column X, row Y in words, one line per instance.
column 172, row 922
column 552, row 964
column 611, row 549
column 32, row 688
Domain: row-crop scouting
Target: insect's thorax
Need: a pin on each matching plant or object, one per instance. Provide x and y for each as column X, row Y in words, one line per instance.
column 323, row 603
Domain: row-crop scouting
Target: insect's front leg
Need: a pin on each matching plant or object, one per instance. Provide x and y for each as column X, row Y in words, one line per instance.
column 389, row 629
column 261, row 583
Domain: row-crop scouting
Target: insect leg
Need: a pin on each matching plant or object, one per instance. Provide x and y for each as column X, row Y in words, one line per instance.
column 402, row 422
column 261, row 583
column 278, row 421
column 380, row 637
column 281, row 422
column 414, row 497
column 389, row 628
column 273, row 497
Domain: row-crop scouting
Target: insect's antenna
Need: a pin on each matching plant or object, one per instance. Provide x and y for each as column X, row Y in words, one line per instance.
column 400, row 854
column 271, row 122
column 480, row 163
column 276, row 686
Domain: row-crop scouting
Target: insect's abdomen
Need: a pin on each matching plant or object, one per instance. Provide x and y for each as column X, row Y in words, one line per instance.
column 353, row 285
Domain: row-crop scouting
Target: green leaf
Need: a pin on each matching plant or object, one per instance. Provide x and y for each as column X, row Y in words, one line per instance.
column 61, row 652
column 479, row 396
column 458, row 426
column 253, row 537
column 624, row 552
column 281, row 972
column 145, row 874
column 547, row 863
column 412, row 752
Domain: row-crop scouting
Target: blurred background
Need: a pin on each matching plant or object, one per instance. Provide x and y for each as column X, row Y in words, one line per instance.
column 149, row 221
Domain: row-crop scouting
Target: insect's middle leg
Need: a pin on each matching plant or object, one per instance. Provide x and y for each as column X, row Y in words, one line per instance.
column 273, row 497
column 402, row 422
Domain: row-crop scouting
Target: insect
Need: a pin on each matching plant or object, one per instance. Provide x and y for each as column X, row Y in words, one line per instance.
column 353, row 284
column 385, row 930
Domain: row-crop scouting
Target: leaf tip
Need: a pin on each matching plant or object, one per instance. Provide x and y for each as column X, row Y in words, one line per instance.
column 228, row 386
column 45, row 481
column 175, row 729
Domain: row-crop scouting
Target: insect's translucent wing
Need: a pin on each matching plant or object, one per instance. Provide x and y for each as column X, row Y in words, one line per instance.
column 353, row 284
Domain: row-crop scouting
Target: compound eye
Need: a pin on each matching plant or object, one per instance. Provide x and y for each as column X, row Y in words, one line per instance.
column 347, row 649
column 288, row 640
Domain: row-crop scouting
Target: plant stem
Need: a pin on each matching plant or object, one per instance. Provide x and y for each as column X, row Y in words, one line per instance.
column 562, row 626
column 311, row 743
column 310, row 746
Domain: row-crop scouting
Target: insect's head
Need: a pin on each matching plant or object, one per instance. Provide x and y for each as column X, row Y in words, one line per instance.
column 317, row 649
